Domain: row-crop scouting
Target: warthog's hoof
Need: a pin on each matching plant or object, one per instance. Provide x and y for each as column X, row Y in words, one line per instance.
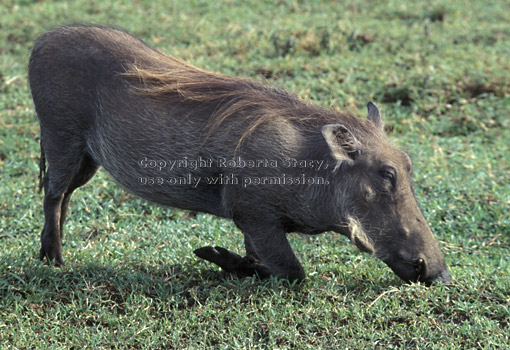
column 51, row 256
column 233, row 262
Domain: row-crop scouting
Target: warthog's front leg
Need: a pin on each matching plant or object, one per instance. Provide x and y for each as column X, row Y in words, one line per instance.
column 233, row 262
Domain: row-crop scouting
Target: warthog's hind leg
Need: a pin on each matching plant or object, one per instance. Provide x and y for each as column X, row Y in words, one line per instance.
column 66, row 172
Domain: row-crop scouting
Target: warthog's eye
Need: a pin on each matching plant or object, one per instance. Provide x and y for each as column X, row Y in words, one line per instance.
column 389, row 173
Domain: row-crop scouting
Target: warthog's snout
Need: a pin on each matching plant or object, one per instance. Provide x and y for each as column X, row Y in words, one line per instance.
column 443, row 277
column 420, row 271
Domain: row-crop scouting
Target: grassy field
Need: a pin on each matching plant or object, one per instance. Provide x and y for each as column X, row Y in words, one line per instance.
column 439, row 70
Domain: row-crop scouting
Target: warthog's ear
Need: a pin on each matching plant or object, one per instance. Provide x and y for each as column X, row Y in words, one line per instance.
column 374, row 116
column 343, row 144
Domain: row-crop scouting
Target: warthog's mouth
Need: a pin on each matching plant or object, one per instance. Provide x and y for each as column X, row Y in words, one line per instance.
column 418, row 271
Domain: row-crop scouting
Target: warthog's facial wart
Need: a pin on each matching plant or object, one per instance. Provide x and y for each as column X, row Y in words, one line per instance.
column 358, row 237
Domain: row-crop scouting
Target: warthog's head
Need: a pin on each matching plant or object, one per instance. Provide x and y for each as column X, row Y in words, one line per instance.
column 379, row 210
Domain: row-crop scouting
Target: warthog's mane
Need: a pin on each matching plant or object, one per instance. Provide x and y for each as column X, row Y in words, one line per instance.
column 169, row 80
column 174, row 81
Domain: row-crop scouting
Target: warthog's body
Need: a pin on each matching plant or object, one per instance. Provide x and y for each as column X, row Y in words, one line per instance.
column 183, row 137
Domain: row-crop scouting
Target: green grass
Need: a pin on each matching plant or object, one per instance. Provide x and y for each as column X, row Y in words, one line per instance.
column 439, row 70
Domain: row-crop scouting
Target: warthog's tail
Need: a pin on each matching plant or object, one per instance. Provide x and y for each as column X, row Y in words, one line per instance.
column 42, row 167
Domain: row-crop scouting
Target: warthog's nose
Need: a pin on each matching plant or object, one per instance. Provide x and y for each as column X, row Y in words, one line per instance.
column 420, row 270
column 427, row 276
column 443, row 277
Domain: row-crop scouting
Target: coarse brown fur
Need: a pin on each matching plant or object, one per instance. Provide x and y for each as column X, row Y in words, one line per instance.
column 169, row 80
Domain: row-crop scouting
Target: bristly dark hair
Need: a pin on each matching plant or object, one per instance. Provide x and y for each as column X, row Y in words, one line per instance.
column 169, row 80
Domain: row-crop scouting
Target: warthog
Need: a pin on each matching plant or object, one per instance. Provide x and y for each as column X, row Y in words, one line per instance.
column 180, row 136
